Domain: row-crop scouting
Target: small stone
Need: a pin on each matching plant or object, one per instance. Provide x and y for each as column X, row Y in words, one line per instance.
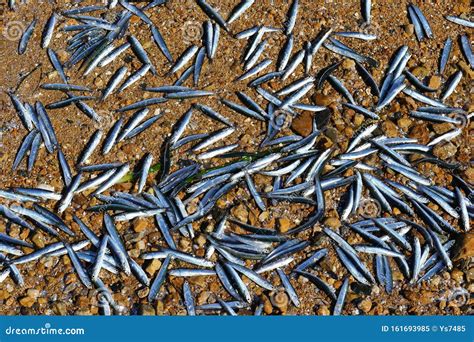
column 303, row 124
column 184, row 243
column 445, row 151
column 365, row 305
column 409, row 29
column 38, row 240
column 241, row 213
column 358, row 119
column 323, row 311
column 421, row 133
column 465, row 246
column 160, row 308
column 404, row 123
column 469, row 174
column 442, row 127
column 435, row 82
column 60, row 309
column 322, row 100
column 214, row 287
column 267, row 305
column 263, row 216
column 154, row 266
column 457, row 276
column 200, row 281
column 27, row 301
column 139, row 225
column 202, row 297
column 33, row 293
column 420, row 72
column 147, row 310
column 98, row 82
column 348, row 64
column 466, row 68
column 332, row 222
column 284, row 224
column 201, row 240
column 390, row 129
column 4, row 295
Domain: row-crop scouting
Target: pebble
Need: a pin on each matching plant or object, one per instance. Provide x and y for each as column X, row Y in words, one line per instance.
column 323, row 311
column 303, row 124
column 201, row 240
column 469, row 174
column 263, row 216
column 184, row 244
column 332, row 222
column 214, row 287
column 457, row 276
column 365, row 305
column 358, row 119
column 435, row 82
column 442, row 127
column 60, row 309
column 27, row 301
column 465, row 246
column 284, row 224
column 404, row 123
column 99, row 82
column 139, row 225
column 154, row 237
column 147, row 310
column 267, row 305
column 322, row 100
column 390, row 129
column 420, row 72
column 33, row 293
column 160, row 308
column 4, row 295
column 420, row 132
column 38, row 240
column 466, row 69
column 199, row 281
column 241, row 213
column 154, row 266
column 445, row 151
column 348, row 64
column 202, row 297
column 409, row 29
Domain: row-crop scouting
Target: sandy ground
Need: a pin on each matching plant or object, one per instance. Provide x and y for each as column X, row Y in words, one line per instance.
column 59, row 291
